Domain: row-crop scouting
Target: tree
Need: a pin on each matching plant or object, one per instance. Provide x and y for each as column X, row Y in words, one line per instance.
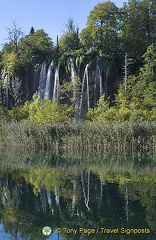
column 15, row 34
column 145, row 88
column 70, row 41
column 102, row 27
column 32, row 30
column 138, row 27
column 35, row 48
column 70, row 26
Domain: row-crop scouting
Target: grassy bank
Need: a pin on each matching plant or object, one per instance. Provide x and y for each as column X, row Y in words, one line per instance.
column 80, row 136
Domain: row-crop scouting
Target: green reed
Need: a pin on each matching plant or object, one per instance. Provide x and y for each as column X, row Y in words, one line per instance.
column 80, row 135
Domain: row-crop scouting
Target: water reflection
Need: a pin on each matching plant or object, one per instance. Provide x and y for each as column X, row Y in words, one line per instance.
column 82, row 195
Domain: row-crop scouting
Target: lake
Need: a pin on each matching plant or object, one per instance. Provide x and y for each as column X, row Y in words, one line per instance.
column 77, row 195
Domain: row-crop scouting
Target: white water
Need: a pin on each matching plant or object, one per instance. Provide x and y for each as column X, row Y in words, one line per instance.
column 99, row 79
column 47, row 92
column 42, row 81
column 107, row 76
column 73, row 75
column 36, row 72
column 56, row 84
column 85, row 93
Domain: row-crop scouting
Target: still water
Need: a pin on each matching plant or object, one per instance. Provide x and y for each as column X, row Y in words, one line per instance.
column 97, row 196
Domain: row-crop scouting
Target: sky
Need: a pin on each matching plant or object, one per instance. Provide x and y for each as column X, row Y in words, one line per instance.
column 50, row 15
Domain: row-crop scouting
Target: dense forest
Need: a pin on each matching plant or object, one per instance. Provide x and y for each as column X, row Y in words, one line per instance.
column 116, row 51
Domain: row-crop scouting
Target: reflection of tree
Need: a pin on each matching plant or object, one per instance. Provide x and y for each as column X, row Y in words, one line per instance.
column 74, row 198
column 127, row 204
column 142, row 192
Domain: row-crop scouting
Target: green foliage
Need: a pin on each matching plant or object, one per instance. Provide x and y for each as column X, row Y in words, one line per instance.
column 69, row 42
column 137, row 102
column 67, row 89
column 110, row 33
column 20, row 113
column 48, row 112
column 10, row 62
column 41, row 111
column 102, row 27
column 137, row 28
column 35, row 48
column 102, row 107
column 3, row 113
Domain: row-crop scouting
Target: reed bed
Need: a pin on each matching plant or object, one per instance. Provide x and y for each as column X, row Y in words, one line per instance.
column 80, row 136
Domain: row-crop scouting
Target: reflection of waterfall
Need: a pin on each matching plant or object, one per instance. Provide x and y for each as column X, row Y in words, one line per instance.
column 74, row 198
column 127, row 204
column 101, row 194
column 107, row 194
column 42, row 81
column 85, row 93
column 57, row 195
column 43, row 198
column 86, row 198
column 49, row 199
column 73, row 75
column 48, row 83
column 56, row 84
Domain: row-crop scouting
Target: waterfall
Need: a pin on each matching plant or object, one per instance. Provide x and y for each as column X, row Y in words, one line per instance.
column 5, row 88
column 75, row 98
column 47, row 92
column 73, row 75
column 73, row 198
column 57, row 195
column 36, row 72
column 43, row 199
column 84, row 100
column 99, row 79
column 87, row 80
column 107, row 75
column 42, row 81
column 56, row 84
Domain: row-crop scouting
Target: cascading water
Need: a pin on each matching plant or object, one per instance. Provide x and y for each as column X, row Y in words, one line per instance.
column 99, row 79
column 47, row 92
column 36, row 74
column 85, row 93
column 56, row 84
column 76, row 99
column 73, row 75
column 107, row 76
column 87, row 81
column 42, row 81
column 5, row 89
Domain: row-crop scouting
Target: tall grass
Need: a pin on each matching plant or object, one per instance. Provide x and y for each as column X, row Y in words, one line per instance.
column 80, row 136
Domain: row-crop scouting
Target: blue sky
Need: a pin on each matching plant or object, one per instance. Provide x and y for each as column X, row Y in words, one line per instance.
column 49, row 15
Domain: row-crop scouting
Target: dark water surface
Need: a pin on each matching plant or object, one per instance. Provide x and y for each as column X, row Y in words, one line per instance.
column 79, row 195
